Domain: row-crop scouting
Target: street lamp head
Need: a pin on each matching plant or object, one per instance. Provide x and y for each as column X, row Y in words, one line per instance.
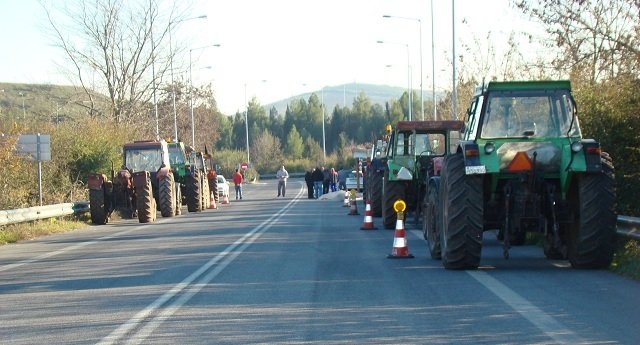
column 386, row 16
column 380, row 42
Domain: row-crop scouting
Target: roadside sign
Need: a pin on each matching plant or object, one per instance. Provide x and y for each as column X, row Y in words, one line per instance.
column 38, row 146
column 244, row 166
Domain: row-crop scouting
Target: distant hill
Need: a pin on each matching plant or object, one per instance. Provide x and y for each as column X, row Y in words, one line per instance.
column 342, row 95
column 52, row 103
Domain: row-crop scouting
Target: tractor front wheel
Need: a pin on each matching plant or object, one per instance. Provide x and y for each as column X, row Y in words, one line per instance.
column 429, row 229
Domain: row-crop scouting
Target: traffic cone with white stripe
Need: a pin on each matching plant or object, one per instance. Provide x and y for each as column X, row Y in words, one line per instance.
column 346, row 199
column 400, row 248
column 212, row 202
column 368, row 218
column 225, row 199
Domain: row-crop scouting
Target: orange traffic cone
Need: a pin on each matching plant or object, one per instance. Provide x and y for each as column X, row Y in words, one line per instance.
column 400, row 249
column 346, row 199
column 368, row 218
column 353, row 210
column 225, row 199
column 212, row 201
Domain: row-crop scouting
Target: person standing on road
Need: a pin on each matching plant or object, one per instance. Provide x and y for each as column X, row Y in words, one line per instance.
column 333, row 179
column 237, row 181
column 326, row 178
column 318, row 177
column 282, row 175
column 308, row 178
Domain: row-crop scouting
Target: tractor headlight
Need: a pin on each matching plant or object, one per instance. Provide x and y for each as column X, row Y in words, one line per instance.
column 576, row 146
column 489, row 148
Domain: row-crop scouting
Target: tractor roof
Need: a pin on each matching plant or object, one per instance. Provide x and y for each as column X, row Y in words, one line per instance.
column 144, row 144
column 529, row 85
column 429, row 125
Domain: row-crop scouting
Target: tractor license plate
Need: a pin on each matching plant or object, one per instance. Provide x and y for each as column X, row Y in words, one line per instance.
column 478, row 169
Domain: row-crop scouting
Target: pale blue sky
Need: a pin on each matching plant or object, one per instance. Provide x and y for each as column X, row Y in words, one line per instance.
column 295, row 45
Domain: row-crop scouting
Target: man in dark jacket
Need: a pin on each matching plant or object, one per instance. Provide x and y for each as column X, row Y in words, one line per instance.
column 318, row 177
column 308, row 178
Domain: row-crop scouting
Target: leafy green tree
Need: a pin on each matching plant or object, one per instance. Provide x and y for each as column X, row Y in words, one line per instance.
column 266, row 152
column 313, row 150
column 294, row 147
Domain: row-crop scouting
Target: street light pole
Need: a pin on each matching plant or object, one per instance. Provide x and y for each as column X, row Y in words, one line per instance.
column 173, row 87
column 453, row 52
column 421, row 75
column 24, row 113
column 324, row 149
column 193, row 125
column 246, row 122
column 433, row 68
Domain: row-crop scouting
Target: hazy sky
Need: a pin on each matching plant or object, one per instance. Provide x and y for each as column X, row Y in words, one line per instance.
column 280, row 48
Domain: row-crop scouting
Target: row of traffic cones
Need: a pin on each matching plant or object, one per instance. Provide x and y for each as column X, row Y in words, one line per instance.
column 400, row 248
column 212, row 203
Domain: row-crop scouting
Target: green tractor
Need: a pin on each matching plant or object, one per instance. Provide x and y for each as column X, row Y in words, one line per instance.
column 411, row 150
column 144, row 184
column 179, row 163
column 522, row 166
column 197, row 184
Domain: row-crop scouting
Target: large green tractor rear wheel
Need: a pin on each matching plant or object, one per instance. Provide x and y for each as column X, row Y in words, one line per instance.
column 392, row 192
column 97, row 207
column 194, row 192
column 591, row 243
column 166, row 196
column 145, row 203
column 375, row 192
column 460, row 216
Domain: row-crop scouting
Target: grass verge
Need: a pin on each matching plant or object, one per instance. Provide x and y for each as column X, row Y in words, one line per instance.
column 626, row 260
column 29, row 230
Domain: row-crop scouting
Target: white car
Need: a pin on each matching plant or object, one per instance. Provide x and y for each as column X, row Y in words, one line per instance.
column 223, row 187
column 352, row 183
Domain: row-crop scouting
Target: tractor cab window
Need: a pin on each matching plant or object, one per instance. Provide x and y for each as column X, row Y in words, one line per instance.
column 473, row 116
column 432, row 144
column 143, row 159
column 401, row 144
column 175, row 156
column 527, row 114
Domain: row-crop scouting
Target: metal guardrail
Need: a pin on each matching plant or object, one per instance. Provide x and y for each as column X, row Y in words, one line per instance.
column 628, row 227
column 42, row 212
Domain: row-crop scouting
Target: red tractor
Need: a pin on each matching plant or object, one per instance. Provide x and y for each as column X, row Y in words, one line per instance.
column 144, row 184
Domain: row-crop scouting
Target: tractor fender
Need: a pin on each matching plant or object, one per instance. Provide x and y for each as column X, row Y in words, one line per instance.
column 163, row 172
column 96, row 181
column 140, row 179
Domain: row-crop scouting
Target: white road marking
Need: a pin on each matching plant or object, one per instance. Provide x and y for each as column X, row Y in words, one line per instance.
column 543, row 321
column 224, row 258
column 73, row 247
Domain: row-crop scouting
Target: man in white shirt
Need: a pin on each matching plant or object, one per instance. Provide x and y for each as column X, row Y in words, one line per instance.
column 282, row 175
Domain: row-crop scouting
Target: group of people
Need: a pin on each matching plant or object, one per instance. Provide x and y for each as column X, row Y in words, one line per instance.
column 320, row 180
column 282, row 175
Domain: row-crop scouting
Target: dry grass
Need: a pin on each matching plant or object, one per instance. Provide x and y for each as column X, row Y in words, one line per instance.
column 30, row 230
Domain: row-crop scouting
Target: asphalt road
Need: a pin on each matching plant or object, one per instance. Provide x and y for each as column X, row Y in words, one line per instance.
column 294, row 270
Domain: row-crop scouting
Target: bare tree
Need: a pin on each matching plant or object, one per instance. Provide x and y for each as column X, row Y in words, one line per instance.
column 119, row 41
column 599, row 37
